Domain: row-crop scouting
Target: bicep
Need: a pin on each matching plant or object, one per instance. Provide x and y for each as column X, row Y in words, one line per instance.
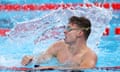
column 55, row 48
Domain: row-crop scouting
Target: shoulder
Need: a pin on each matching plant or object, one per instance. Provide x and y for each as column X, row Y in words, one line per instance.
column 91, row 54
column 90, row 59
column 59, row 43
column 56, row 46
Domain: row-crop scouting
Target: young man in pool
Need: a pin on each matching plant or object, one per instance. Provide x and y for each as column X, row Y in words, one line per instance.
column 72, row 51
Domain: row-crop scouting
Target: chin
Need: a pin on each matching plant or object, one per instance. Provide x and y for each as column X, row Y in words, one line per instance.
column 67, row 42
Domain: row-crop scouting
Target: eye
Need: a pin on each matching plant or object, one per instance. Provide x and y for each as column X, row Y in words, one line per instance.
column 68, row 29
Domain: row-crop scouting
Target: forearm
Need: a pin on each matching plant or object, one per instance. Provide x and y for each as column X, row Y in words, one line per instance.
column 42, row 58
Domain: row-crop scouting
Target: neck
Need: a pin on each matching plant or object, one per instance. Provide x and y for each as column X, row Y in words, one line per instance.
column 77, row 47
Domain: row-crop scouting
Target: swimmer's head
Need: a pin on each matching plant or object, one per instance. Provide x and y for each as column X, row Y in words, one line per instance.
column 83, row 23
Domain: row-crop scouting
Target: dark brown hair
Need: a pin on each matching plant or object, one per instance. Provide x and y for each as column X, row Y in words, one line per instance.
column 82, row 23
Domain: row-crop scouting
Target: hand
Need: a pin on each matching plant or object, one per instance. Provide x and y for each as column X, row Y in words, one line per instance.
column 26, row 60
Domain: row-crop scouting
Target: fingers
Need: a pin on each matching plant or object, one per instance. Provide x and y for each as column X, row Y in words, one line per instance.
column 26, row 60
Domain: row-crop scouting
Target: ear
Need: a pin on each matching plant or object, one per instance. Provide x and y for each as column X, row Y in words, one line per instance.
column 79, row 33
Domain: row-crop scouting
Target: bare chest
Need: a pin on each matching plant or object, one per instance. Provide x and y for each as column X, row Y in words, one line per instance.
column 66, row 57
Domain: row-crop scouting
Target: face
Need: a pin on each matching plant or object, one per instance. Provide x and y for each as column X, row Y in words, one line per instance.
column 72, row 33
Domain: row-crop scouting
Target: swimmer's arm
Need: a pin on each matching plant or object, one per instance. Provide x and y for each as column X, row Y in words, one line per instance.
column 42, row 57
column 26, row 60
column 51, row 52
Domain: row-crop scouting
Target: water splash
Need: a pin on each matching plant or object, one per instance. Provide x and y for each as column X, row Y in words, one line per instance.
column 38, row 34
column 50, row 26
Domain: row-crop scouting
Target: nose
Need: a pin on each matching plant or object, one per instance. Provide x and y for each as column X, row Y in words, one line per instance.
column 65, row 31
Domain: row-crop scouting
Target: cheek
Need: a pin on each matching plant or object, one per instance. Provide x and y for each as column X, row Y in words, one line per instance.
column 72, row 36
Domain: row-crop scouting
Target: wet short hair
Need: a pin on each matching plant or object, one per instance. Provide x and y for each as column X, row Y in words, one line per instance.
column 83, row 23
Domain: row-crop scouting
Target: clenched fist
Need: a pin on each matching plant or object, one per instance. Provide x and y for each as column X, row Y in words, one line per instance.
column 26, row 60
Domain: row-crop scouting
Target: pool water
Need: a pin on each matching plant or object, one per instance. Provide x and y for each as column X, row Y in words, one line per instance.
column 33, row 32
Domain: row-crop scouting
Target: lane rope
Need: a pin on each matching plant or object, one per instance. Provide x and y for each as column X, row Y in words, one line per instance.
column 32, row 7
column 37, row 69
